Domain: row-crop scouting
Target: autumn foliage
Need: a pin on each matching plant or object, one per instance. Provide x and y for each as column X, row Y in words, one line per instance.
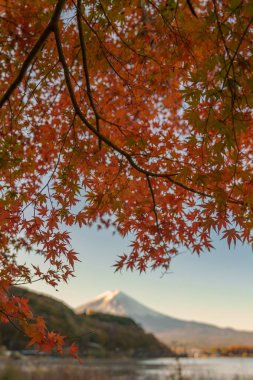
column 134, row 115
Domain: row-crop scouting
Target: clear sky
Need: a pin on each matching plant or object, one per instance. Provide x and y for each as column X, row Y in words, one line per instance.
column 216, row 287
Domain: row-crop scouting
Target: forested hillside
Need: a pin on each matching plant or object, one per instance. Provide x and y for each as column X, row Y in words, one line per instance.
column 99, row 335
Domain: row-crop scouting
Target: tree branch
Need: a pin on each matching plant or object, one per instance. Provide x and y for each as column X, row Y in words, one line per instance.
column 12, row 323
column 154, row 202
column 236, row 51
column 191, row 8
column 37, row 47
column 85, row 68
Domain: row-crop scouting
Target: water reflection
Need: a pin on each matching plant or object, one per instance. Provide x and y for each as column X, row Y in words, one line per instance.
column 157, row 369
column 201, row 368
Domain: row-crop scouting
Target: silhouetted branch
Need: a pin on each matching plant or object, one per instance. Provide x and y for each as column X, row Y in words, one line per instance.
column 37, row 47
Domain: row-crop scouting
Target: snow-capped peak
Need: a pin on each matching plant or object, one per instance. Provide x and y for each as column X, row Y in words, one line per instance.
column 117, row 303
column 108, row 295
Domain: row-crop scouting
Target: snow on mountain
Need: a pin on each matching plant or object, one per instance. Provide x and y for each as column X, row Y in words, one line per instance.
column 166, row 328
column 118, row 303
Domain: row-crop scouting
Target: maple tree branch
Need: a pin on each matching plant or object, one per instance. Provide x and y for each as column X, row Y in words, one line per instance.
column 191, row 8
column 11, row 322
column 107, row 53
column 220, row 29
column 106, row 140
column 37, row 47
column 54, row 169
column 31, row 94
column 85, row 68
column 123, row 40
column 236, row 51
column 165, row 19
column 98, row 117
column 156, row 213
column 154, row 202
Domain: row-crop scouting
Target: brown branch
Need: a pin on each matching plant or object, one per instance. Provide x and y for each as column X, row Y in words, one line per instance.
column 107, row 53
column 31, row 94
column 85, row 68
column 165, row 19
column 124, row 41
column 55, row 168
column 154, row 202
column 236, row 51
column 35, row 50
column 11, row 322
column 232, row 89
column 191, row 8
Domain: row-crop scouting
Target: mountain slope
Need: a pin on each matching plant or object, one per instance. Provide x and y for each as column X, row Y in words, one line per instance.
column 169, row 330
column 99, row 335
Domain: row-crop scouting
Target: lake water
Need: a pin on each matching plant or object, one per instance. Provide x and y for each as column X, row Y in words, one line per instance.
column 156, row 369
column 185, row 368
column 200, row 368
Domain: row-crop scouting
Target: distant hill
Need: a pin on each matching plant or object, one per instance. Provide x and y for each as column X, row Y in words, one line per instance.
column 98, row 335
column 167, row 329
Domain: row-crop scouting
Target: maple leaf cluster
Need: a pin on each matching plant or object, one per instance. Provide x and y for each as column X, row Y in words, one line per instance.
column 132, row 115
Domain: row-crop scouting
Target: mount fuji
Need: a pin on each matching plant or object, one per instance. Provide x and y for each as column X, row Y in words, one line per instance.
column 169, row 330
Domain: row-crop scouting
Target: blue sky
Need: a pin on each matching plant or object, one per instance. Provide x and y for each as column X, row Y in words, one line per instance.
column 216, row 287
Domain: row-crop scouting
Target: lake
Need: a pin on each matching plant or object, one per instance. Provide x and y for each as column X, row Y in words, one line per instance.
column 156, row 369
column 199, row 368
